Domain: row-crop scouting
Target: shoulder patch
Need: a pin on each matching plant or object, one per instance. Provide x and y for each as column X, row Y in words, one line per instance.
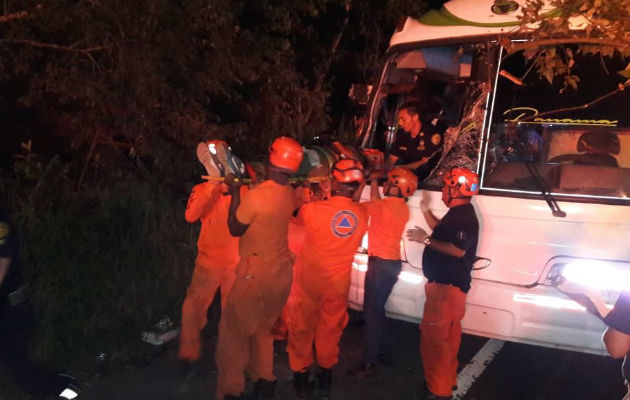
column 344, row 223
column 461, row 235
column 436, row 139
column 5, row 230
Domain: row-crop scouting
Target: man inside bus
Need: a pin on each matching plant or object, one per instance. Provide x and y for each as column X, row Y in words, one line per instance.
column 594, row 148
column 418, row 143
column 519, row 143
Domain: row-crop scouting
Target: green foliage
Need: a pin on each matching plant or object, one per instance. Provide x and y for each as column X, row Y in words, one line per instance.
column 131, row 266
column 120, row 77
column 605, row 31
column 103, row 264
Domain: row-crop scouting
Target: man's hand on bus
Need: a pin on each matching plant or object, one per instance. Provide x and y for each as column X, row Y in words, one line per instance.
column 431, row 219
column 417, row 234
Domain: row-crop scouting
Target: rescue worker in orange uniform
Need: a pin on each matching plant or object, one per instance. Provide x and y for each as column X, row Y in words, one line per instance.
column 388, row 218
column 217, row 253
column 303, row 194
column 334, row 229
column 447, row 260
column 263, row 276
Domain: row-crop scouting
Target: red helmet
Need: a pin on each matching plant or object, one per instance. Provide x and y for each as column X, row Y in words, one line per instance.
column 464, row 179
column 405, row 180
column 348, row 170
column 286, row 152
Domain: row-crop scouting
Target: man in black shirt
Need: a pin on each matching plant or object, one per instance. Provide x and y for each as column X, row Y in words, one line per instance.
column 617, row 336
column 16, row 316
column 418, row 145
column 446, row 263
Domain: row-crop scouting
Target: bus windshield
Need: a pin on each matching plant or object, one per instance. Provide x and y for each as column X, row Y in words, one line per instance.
column 571, row 140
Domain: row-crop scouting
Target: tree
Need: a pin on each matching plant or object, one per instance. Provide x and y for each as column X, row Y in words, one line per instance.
column 605, row 31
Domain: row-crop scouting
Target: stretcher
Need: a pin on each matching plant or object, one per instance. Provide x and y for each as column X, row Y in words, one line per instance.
column 316, row 165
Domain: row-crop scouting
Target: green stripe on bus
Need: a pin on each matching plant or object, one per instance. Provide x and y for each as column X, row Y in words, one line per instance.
column 443, row 17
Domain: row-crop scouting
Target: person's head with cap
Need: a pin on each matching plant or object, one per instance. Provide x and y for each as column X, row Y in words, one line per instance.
column 285, row 157
column 460, row 184
column 597, row 142
column 286, row 153
column 347, row 175
column 401, row 182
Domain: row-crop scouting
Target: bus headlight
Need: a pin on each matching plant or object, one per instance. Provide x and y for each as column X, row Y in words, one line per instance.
column 593, row 274
column 599, row 281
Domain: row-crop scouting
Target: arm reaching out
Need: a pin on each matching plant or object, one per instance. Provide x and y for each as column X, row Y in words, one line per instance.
column 421, row 236
column 431, row 219
column 236, row 227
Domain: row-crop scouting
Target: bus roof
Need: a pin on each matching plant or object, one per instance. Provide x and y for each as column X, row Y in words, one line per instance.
column 468, row 18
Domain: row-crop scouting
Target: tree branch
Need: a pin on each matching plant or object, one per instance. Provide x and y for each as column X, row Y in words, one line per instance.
column 621, row 88
column 87, row 160
column 514, row 47
column 36, row 43
column 15, row 15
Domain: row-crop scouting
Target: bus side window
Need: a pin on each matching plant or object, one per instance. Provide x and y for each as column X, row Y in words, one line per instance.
column 591, row 148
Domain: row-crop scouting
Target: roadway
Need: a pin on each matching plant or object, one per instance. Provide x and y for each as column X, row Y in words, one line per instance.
column 489, row 370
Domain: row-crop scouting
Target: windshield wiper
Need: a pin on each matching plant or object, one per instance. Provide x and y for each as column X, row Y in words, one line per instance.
column 544, row 190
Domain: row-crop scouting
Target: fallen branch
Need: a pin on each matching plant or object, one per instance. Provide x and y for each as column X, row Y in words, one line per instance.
column 15, row 15
column 514, row 47
column 36, row 43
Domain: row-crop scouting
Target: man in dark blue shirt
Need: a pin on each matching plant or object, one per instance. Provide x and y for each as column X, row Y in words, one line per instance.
column 446, row 263
column 16, row 316
column 617, row 336
column 418, row 143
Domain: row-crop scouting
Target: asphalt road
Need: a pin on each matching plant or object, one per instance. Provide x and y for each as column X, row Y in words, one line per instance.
column 516, row 372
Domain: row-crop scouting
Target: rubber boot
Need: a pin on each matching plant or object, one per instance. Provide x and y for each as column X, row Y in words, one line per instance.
column 300, row 384
column 324, row 378
column 264, row 390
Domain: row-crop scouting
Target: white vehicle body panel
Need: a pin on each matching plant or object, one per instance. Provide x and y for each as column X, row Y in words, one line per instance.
column 481, row 19
column 505, row 301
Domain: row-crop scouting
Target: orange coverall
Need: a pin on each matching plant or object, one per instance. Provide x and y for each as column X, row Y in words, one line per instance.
column 263, row 280
column 441, row 328
column 296, row 242
column 334, row 229
column 217, row 255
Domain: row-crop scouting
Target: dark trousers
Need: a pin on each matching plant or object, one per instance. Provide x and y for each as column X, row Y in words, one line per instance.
column 15, row 329
column 380, row 278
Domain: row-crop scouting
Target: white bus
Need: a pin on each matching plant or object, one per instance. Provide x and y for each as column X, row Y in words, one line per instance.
column 553, row 160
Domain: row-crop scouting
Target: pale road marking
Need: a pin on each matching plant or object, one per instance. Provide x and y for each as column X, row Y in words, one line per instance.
column 476, row 366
